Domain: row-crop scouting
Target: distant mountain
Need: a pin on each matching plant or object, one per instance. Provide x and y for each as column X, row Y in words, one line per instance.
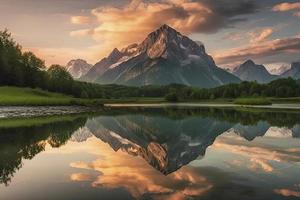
column 250, row 132
column 105, row 64
column 280, row 70
column 164, row 57
column 81, row 135
column 294, row 72
column 78, row 67
column 249, row 71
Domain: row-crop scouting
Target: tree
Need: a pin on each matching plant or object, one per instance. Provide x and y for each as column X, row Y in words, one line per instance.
column 171, row 97
column 31, row 61
column 60, row 79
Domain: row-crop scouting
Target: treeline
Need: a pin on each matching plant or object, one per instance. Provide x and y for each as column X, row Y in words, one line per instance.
column 24, row 69
column 278, row 88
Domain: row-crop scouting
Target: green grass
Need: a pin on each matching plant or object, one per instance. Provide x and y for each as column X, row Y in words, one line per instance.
column 15, row 96
column 28, row 122
column 136, row 100
column 253, row 101
column 292, row 100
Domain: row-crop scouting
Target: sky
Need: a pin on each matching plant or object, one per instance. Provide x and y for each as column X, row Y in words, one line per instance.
column 232, row 31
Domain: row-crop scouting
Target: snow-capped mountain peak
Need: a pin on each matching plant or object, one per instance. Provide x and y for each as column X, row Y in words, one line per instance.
column 78, row 67
column 164, row 57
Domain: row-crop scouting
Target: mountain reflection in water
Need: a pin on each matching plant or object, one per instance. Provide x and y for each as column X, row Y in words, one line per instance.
column 203, row 152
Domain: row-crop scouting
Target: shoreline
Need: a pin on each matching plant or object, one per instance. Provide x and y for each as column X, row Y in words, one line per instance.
column 217, row 105
column 7, row 112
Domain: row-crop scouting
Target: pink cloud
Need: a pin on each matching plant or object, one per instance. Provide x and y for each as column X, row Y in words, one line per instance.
column 287, row 192
column 297, row 14
column 259, row 50
column 286, row 7
column 261, row 36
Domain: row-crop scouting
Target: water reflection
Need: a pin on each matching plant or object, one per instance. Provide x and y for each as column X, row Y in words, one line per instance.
column 204, row 152
column 25, row 141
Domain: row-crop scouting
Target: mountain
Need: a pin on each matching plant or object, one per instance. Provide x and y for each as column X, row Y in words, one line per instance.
column 294, row 72
column 164, row 57
column 170, row 139
column 250, row 132
column 78, row 67
column 81, row 135
column 249, row 71
column 280, row 70
column 102, row 66
column 151, row 138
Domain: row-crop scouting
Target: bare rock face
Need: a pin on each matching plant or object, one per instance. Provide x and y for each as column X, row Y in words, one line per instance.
column 164, row 57
column 78, row 68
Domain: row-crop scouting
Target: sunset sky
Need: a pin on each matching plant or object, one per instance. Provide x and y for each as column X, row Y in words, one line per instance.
column 266, row 31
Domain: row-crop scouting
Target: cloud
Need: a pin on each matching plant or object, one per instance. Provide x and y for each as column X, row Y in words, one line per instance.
column 81, row 20
column 233, row 36
column 81, row 177
column 297, row 14
column 286, row 7
column 81, row 33
column 287, row 192
column 260, row 156
column 261, row 36
column 259, row 50
column 121, row 170
column 123, row 25
column 261, row 164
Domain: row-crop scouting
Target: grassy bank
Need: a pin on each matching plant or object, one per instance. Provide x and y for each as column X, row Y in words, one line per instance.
column 15, row 96
column 35, row 121
column 253, row 101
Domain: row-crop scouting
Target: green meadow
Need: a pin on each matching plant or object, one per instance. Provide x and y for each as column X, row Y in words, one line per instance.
column 14, row 96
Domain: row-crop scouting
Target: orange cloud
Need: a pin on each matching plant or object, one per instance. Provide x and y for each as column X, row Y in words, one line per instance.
column 80, row 177
column 287, row 192
column 259, row 50
column 121, row 170
column 263, row 164
column 286, row 7
column 81, row 20
column 260, row 157
column 81, row 33
column 261, row 36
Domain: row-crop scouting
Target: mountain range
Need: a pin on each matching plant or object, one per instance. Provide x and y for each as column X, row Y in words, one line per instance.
column 165, row 56
column 249, row 71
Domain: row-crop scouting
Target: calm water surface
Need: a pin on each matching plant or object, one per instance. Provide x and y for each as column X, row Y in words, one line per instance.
column 153, row 153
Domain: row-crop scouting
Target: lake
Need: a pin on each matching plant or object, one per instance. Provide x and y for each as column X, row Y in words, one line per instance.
column 152, row 153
